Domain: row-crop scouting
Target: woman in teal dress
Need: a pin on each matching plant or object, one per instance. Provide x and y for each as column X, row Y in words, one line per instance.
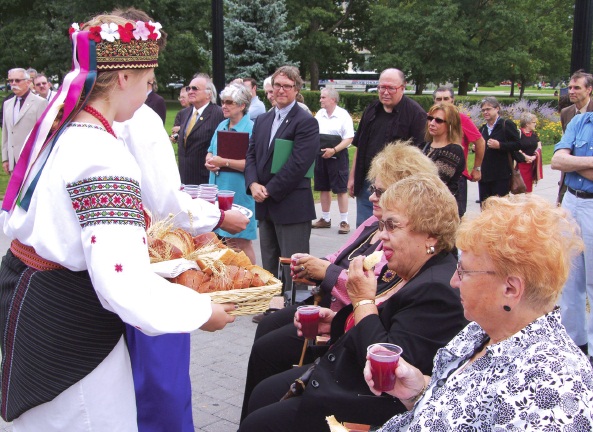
column 235, row 100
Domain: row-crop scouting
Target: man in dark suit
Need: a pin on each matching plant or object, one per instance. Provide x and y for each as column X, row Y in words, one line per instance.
column 156, row 101
column 284, row 201
column 197, row 128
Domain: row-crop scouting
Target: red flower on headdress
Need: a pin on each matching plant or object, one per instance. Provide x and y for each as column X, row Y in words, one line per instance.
column 125, row 32
column 152, row 35
column 95, row 34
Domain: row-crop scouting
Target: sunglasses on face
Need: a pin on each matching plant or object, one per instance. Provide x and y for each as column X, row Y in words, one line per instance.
column 194, row 88
column 14, row 80
column 375, row 190
column 390, row 225
column 430, row 118
column 227, row 102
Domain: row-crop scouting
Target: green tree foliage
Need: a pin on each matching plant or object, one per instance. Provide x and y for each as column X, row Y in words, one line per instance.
column 257, row 38
column 330, row 33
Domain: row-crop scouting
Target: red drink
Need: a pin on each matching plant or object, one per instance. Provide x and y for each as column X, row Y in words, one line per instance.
column 384, row 371
column 309, row 319
column 384, row 358
column 225, row 202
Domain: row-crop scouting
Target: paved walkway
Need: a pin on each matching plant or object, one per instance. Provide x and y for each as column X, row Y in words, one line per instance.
column 219, row 360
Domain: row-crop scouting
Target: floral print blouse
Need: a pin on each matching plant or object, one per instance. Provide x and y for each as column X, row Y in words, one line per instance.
column 535, row 380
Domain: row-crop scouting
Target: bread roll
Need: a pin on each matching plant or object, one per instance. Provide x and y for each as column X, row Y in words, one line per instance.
column 263, row 274
column 161, row 250
column 372, row 260
column 181, row 239
column 207, row 239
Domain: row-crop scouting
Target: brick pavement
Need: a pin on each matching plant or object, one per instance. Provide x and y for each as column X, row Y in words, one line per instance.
column 219, row 360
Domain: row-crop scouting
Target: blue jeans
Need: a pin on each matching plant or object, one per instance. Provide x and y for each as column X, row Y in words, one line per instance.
column 579, row 286
column 364, row 208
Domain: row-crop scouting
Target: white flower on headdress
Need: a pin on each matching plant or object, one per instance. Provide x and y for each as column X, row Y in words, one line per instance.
column 141, row 31
column 76, row 27
column 157, row 26
column 109, row 32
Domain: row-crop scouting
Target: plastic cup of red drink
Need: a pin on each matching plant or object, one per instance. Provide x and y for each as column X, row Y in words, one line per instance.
column 384, row 358
column 225, row 199
column 309, row 319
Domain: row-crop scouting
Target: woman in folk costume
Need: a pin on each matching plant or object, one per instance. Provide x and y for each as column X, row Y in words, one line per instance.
column 78, row 266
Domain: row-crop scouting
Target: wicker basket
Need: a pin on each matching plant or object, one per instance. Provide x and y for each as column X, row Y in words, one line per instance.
column 250, row 301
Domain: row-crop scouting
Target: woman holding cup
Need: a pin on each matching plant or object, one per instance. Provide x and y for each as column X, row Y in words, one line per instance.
column 514, row 367
column 235, row 100
column 420, row 314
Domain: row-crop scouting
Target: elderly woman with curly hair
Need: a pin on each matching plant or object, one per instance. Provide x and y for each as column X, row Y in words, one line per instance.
column 514, row 367
column 277, row 346
column 421, row 313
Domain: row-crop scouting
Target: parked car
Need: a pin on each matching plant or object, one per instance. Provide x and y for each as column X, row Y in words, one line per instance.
column 4, row 87
column 176, row 85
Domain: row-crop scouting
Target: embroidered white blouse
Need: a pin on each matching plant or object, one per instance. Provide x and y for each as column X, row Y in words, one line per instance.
column 535, row 380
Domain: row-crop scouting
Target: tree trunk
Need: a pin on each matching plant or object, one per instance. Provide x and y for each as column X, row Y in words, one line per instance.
column 314, row 72
column 420, row 84
column 512, row 94
column 463, row 86
column 522, row 89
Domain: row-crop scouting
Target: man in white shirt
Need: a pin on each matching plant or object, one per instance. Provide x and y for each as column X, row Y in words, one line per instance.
column 331, row 166
column 256, row 107
column 43, row 87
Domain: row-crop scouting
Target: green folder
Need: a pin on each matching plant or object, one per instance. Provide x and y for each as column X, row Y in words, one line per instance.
column 282, row 151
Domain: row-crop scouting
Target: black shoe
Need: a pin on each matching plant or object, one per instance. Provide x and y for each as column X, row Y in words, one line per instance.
column 259, row 317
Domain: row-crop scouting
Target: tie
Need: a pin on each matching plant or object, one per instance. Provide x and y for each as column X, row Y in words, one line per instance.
column 191, row 123
column 275, row 126
column 17, row 109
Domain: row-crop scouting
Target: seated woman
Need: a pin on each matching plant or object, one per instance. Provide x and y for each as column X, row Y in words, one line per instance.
column 277, row 346
column 514, row 366
column 421, row 314
column 443, row 136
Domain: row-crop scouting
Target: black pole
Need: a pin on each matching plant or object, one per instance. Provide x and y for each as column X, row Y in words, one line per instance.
column 217, row 45
column 582, row 36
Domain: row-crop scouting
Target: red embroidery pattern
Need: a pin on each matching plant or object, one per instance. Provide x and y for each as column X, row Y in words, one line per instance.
column 144, row 240
column 107, row 200
column 118, row 268
column 93, row 239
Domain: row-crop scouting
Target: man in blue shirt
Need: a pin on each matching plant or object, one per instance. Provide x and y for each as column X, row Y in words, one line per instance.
column 573, row 155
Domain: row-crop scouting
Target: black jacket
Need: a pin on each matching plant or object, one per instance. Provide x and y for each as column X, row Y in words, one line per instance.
column 495, row 165
column 421, row 317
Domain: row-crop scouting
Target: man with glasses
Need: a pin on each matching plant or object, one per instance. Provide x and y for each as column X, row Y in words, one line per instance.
column 392, row 117
column 284, row 203
column 197, row 128
column 471, row 136
column 43, row 87
column 21, row 112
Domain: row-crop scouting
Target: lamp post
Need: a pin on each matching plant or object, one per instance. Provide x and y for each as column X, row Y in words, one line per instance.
column 582, row 34
column 217, row 46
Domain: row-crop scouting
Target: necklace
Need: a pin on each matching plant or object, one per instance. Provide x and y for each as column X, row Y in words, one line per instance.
column 92, row 111
column 350, row 257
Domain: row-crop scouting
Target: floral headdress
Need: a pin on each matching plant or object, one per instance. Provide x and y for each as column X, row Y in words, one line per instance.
column 101, row 48
column 124, row 47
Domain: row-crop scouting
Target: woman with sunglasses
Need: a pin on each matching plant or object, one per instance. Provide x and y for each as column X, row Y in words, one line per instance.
column 277, row 346
column 235, row 100
column 443, row 143
column 513, row 367
column 420, row 313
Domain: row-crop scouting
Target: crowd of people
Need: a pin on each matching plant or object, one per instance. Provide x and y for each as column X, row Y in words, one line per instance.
column 490, row 309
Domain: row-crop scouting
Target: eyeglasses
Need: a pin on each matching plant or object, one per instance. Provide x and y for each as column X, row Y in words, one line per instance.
column 150, row 83
column 442, row 99
column 284, row 87
column 15, row 80
column 462, row 273
column 40, row 84
column 389, row 89
column 228, row 102
column 390, row 225
column 430, row 118
column 375, row 190
column 194, row 88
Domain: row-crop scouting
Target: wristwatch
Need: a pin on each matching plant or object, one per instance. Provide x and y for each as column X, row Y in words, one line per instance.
column 227, row 163
column 478, row 168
